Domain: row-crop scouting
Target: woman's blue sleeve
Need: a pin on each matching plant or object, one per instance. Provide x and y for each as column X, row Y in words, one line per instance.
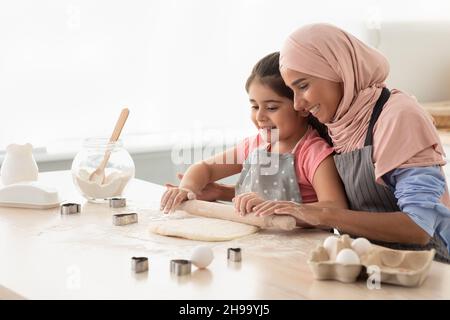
column 418, row 191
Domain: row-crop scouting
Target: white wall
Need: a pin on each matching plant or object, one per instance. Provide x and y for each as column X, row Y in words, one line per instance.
column 67, row 67
column 419, row 55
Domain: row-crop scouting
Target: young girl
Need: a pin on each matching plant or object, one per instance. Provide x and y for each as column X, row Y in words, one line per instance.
column 295, row 166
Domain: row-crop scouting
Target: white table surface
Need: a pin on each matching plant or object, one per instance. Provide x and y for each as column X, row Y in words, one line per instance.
column 44, row 255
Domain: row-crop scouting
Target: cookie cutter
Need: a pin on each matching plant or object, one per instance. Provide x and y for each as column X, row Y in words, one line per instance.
column 234, row 254
column 139, row 264
column 117, row 202
column 70, row 208
column 180, row 267
column 121, row 219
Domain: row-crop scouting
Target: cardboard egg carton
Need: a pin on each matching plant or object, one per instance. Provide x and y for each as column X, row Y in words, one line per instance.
column 399, row 267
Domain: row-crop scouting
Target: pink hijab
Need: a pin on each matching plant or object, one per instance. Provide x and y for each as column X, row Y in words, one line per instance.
column 404, row 135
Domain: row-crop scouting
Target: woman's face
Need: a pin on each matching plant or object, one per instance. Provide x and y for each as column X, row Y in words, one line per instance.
column 271, row 111
column 318, row 96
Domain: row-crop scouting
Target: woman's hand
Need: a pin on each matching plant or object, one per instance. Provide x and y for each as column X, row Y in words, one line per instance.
column 309, row 214
column 245, row 203
column 268, row 207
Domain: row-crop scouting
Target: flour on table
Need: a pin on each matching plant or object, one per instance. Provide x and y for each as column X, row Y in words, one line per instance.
column 203, row 229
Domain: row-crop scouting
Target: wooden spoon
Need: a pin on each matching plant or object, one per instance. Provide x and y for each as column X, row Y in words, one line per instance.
column 98, row 176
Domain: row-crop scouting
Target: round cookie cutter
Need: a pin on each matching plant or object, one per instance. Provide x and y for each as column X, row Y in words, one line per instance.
column 180, row 267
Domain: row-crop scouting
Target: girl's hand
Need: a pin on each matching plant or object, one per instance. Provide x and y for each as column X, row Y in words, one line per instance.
column 173, row 196
column 244, row 203
column 307, row 213
column 211, row 192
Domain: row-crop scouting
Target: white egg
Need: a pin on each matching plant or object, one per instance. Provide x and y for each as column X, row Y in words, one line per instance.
column 347, row 256
column 329, row 244
column 202, row 256
column 361, row 246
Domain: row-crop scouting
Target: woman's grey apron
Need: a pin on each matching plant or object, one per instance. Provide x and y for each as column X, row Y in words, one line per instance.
column 357, row 172
column 271, row 175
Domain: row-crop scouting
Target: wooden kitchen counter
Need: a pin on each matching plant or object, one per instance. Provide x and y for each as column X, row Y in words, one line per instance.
column 44, row 255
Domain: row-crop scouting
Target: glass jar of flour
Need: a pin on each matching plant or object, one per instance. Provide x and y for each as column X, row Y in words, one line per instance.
column 119, row 169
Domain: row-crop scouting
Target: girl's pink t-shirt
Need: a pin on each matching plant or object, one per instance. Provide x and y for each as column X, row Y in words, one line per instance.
column 311, row 151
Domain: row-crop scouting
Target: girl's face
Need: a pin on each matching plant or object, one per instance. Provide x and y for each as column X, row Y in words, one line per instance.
column 318, row 96
column 271, row 111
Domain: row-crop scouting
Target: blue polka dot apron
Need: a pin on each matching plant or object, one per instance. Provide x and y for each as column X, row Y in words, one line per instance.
column 271, row 175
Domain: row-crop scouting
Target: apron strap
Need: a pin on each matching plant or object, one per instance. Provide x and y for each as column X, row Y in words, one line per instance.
column 384, row 96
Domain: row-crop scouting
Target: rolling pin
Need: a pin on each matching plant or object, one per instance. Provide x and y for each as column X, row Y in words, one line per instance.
column 227, row 212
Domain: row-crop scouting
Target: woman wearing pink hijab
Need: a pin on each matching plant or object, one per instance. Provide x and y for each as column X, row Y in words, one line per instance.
column 388, row 152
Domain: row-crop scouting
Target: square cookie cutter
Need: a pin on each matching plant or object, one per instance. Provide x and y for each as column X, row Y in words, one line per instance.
column 139, row 264
column 234, row 254
column 117, row 202
column 122, row 219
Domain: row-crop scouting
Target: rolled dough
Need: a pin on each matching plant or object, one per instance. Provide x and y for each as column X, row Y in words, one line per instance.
column 204, row 229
